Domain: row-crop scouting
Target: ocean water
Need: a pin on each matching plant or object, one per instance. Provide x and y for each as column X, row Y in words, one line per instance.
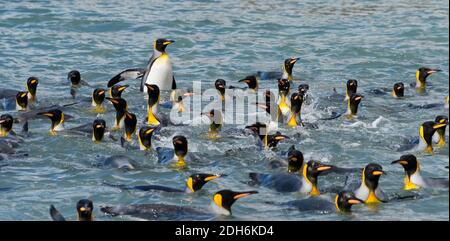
column 376, row 42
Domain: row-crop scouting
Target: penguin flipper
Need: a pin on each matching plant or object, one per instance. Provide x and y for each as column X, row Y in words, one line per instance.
column 126, row 74
column 334, row 115
column 55, row 214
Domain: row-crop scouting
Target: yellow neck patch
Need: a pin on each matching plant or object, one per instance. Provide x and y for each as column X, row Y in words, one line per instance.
column 372, row 198
column 409, row 185
column 441, row 140
column 314, row 191
column 151, row 119
column 336, row 203
column 218, row 200
column 190, row 184
column 283, row 106
column 292, row 122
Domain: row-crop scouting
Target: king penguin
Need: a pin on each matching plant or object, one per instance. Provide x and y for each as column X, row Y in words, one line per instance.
column 158, row 70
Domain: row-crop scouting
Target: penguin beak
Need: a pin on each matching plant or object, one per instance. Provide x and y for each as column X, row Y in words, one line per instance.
column 212, row 177
column 149, row 131
column 188, row 94
column 293, row 61
column 433, row 71
column 101, row 92
column 243, row 194
column 358, row 98
column 437, row 126
column 401, row 162
column 377, row 173
column 323, row 168
column 220, row 86
column 123, row 88
column 24, row 94
column 355, row 201
column 169, row 41
column 281, row 137
column 33, row 81
column 2, row 121
column 46, row 114
column 150, row 87
column 99, row 126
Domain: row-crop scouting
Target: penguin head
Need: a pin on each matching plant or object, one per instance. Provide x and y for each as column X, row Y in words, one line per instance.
column 98, row 96
column 303, row 89
column 22, row 101
column 258, row 128
column 74, row 77
column 353, row 103
column 119, row 104
column 145, row 137
column 250, row 81
column 153, row 94
column 284, row 87
column 180, row 145
column 225, row 199
column 288, row 65
column 398, row 90
column 85, row 208
column 116, row 91
column 221, row 85
column 57, row 118
column 161, row 44
column 409, row 162
column 441, row 119
column 295, row 161
column 371, row 175
column 98, row 130
column 32, row 84
column 196, row 181
column 352, row 86
column 130, row 122
column 427, row 130
column 296, row 103
column 313, row 169
column 345, row 200
column 273, row 140
column 6, row 124
column 422, row 74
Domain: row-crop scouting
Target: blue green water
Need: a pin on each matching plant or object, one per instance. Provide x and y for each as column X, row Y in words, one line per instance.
column 376, row 42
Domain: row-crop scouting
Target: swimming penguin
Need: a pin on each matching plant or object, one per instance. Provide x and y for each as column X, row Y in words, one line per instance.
column 352, row 105
column 157, row 72
column 413, row 179
column 153, row 102
column 96, row 130
column 84, row 207
column 342, row 203
column 288, row 66
column 121, row 107
column 145, row 137
column 398, row 90
column 351, row 88
column 179, row 153
column 32, row 84
column 303, row 89
column 426, row 133
column 296, row 107
column 221, row 205
column 117, row 90
column 439, row 135
column 251, row 81
column 194, row 183
column 6, row 125
column 57, row 118
column 265, row 139
column 9, row 98
column 368, row 190
column 216, row 118
column 130, row 125
column 283, row 91
column 121, row 162
column 220, row 86
column 98, row 97
column 421, row 77
column 74, row 77
column 291, row 182
column 22, row 101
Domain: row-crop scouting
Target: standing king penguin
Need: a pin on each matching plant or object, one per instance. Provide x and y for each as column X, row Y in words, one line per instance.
column 158, row 70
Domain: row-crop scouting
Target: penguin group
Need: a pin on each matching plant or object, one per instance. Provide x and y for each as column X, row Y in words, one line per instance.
column 285, row 108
